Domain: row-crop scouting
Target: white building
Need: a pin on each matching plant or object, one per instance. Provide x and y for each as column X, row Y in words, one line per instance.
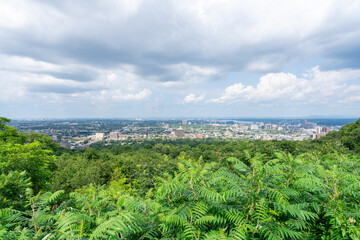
column 254, row 127
column 99, row 136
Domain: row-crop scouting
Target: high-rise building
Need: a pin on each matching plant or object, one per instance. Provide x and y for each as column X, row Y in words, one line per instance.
column 268, row 126
column 254, row 127
column 114, row 135
column 180, row 132
column 184, row 122
column 99, row 136
column 325, row 129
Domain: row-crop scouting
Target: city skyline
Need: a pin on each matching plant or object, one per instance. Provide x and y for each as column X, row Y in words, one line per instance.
column 82, row 133
column 187, row 59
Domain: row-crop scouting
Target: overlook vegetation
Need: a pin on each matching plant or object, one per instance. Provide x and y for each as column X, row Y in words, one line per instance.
column 349, row 136
column 184, row 189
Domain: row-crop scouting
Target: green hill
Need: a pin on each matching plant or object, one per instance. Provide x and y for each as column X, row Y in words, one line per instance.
column 349, row 136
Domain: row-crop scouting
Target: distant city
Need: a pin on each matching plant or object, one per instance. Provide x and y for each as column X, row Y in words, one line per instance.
column 81, row 133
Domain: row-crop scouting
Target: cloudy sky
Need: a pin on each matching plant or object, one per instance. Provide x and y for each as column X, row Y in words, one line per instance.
column 188, row 58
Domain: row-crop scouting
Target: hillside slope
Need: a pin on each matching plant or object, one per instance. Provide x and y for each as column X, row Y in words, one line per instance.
column 348, row 135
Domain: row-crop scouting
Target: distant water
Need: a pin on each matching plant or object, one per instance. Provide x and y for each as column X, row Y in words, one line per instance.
column 318, row 121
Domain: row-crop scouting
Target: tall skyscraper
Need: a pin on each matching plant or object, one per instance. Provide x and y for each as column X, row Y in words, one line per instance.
column 318, row 130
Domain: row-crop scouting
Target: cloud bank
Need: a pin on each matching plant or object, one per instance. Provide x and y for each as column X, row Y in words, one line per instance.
column 316, row 86
column 122, row 51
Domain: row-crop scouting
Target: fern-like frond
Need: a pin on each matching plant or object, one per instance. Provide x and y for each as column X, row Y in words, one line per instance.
column 119, row 226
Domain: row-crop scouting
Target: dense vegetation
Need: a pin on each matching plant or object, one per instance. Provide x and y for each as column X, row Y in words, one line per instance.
column 184, row 189
column 349, row 136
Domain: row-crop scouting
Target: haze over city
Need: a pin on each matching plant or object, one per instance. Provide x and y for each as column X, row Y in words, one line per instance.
column 121, row 59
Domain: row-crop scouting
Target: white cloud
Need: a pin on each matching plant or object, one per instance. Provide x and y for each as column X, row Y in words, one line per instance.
column 123, row 51
column 26, row 64
column 118, row 95
column 316, row 86
column 191, row 98
column 24, row 77
column 145, row 93
column 186, row 75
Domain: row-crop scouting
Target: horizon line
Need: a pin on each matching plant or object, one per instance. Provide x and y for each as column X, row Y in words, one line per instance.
column 183, row 118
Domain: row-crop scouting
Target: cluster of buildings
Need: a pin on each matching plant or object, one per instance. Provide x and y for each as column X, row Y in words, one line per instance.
column 248, row 130
column 82, row 133
column 252, row 130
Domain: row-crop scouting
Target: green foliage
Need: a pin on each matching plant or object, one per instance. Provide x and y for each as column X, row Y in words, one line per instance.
column 3, row 121
column 303, row 197
column 349, row 136
column 22, row 152
column 186, row 190
column 77, row 171
column 12, row 187
column 31, row 157
column 10, row 134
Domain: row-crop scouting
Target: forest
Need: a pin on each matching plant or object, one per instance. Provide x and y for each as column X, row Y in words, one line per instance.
column 180, row 189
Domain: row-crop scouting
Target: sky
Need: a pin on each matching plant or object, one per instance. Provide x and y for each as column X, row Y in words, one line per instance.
column 198, row 58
